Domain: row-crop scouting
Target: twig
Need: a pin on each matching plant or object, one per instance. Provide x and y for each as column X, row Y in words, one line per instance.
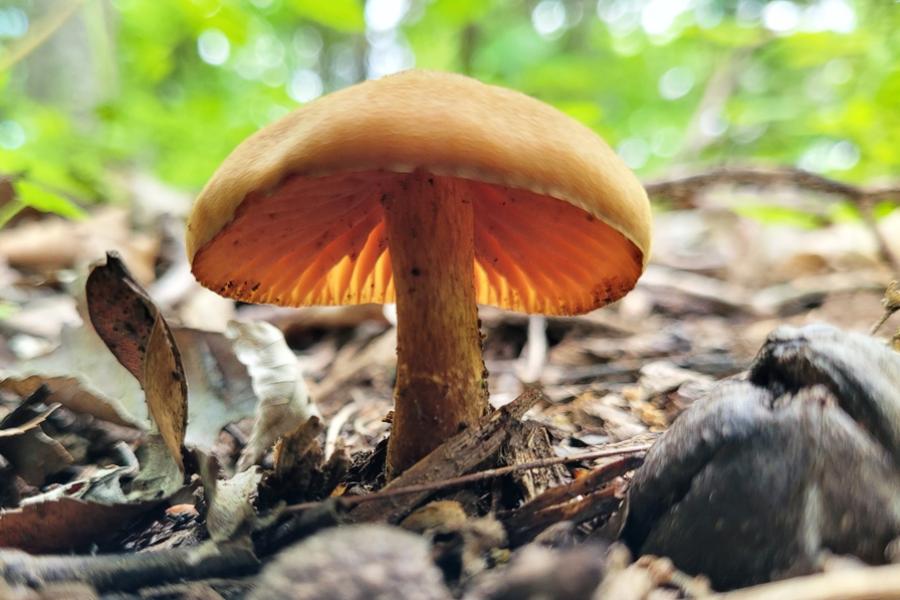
column 891, row 303
column 584, row 499
column 477, row 476
column 590, row 482
column 40, row 32
column 124, row 572
column 683, row 190
column 864, row 583
column 719, row 88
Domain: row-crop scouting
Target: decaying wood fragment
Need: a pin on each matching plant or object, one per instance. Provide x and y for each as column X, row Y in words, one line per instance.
column 593, row 495
column 529, row 441
column 458, row 455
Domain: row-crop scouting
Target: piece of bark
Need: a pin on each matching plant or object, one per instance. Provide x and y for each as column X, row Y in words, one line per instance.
column 301, row 471
column 529, row 441
column 585, row 498
column 457, row 456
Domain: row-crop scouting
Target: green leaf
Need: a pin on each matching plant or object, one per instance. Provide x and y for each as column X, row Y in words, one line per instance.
column 7, row 212
column 44, row 200
column 778, row 215
column 341, row 15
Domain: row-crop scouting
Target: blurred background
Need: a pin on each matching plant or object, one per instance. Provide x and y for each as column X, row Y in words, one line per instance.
column 113, row 114
column 93, row 92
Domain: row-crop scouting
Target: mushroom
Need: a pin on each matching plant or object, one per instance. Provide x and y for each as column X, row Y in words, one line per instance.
column 436, row 192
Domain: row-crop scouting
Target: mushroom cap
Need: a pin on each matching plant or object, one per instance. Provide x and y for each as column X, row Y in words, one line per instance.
column 293, row 215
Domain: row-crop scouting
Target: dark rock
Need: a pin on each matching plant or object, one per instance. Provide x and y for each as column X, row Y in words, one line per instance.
column 758, row 480
column 354, row 562
column 861, row 372
column 537, row 572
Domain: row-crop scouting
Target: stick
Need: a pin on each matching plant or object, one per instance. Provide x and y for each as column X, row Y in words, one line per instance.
column 477, row 476
column 891, row 303
column 684, row 188
column 864, row 583
column 123, row 572
column 682, row 191
column 40, row 32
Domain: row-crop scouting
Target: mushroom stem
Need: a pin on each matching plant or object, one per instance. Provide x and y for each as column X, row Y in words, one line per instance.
column 441, row 381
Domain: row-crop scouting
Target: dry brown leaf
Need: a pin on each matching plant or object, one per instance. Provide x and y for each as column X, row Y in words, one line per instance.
column 32, row 454
column 51, row 244
column 15, row 430
column 135, row 332
column 123, row 315
column 63, row 525
column 165, row 388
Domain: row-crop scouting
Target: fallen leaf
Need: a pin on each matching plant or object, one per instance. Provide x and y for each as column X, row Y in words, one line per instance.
column 123, row 315
column 84, row 377
column 159, row 476
column 135, row 332
column 31, row 453
column 165, row 388
column 11, row 431
column 218, row 384
column 51, row 243
column 154, row 477
column 63, row 525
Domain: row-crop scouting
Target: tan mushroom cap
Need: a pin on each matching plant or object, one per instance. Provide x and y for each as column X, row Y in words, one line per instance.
column 293, row 216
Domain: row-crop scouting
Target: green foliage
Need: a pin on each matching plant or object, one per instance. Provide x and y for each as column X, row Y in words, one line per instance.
column 171, row 86
column 45, row 200
column 341, row 15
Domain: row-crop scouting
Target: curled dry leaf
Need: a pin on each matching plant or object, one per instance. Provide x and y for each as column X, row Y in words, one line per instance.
column 32, row 454
column 82, row 376
column 135, row 332
column 85, row 378
column 51, row 244
column 220, row 390
column 277, row 382
column 165, row 388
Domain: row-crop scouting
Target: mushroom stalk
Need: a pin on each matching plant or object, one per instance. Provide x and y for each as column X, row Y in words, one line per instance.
column 441, row 382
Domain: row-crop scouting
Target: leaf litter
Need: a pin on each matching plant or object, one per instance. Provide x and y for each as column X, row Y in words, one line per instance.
column 223, row 422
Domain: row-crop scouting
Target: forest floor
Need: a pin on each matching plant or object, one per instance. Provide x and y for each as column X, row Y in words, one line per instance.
column 86, row 469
